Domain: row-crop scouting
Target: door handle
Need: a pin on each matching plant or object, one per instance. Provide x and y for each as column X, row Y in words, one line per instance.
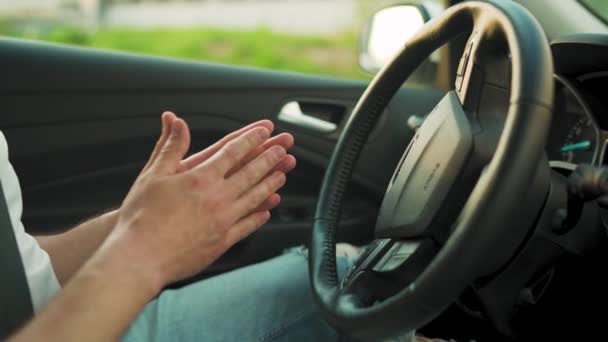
column 292, row 113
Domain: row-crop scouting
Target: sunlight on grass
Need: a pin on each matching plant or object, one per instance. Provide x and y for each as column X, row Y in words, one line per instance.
column 599, row 7
column 323, row 55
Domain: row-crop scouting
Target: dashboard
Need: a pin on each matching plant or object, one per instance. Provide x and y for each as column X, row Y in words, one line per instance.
column 579, row 128
column 575, row 136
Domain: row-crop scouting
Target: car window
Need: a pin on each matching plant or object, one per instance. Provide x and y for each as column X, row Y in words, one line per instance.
column 598, row 7
column 310, row 36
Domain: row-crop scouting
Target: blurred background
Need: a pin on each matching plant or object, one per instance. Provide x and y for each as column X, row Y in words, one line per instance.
column 310, row 36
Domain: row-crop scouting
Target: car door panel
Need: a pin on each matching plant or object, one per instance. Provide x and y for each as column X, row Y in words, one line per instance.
column 81, row 123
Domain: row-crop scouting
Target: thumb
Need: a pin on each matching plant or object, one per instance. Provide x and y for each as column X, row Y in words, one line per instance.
column 174, row 149
column 167, row 121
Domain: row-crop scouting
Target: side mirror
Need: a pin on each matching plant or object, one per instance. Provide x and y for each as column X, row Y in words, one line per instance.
column 389, row 29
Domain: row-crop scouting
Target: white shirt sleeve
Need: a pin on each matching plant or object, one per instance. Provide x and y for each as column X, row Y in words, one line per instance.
column 39, row 271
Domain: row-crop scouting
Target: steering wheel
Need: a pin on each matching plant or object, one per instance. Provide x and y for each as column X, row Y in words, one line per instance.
column 467, row 188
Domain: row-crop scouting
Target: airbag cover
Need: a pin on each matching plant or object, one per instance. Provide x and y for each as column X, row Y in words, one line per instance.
column 428, row 169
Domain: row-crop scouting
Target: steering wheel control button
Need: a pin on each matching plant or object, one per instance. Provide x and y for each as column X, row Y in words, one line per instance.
column 366, row 252
column 393, row 263
column 396, row 256
column 464, row 63
column 428, row 172
column 459, row 81
column 406, row 247
column 369, row 256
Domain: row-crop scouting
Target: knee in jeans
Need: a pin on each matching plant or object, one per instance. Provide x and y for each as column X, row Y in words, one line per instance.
column 343, row 260
column 298, row 250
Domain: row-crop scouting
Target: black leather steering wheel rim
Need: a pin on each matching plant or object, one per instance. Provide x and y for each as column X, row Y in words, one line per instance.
column 481, row 222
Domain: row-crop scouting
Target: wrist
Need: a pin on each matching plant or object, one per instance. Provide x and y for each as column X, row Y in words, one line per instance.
column 122, row 256
column 140, row 286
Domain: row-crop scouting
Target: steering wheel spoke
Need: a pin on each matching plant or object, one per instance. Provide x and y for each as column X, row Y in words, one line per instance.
column 467, row 75
column 483, row 85
column 385, row 267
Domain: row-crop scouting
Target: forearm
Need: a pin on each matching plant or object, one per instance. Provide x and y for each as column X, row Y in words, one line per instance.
column 70, row 250
column 98, row 303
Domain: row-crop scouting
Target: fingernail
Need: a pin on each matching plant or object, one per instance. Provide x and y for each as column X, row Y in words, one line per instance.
column 278, row 152
column 175, row 127
column 280, row 178
column 262, row 133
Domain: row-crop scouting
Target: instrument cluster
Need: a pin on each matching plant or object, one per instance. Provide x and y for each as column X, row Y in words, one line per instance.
column 578, row 133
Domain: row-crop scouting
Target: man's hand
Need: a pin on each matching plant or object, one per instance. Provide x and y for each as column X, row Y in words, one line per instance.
column 285, row 140
column 181, row 215
column 71, row 249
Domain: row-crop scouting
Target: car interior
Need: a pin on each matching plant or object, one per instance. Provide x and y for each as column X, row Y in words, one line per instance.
column 461, row 193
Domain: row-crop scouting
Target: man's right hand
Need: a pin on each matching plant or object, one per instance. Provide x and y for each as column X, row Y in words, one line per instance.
column 177, row 220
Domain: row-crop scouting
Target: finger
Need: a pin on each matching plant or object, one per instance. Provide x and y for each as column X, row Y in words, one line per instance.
column 285, row 140
column 245, row 226
column 233, row 152
column 205, row 154
column 256, row 170
column 254, row 198
column 287, row 164
column 174, row 149
column 167, row 120
column 270, row 203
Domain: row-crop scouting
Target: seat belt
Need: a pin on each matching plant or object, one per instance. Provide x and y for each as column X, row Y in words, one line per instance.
column 15, row 301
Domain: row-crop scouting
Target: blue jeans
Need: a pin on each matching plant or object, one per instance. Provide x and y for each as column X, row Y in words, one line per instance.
column 269, row 301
